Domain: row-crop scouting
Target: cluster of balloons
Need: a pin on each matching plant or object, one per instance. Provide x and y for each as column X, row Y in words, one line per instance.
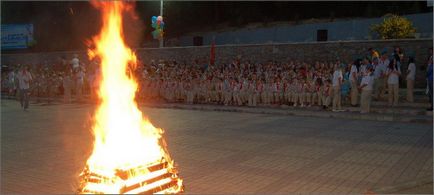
column 158, row 24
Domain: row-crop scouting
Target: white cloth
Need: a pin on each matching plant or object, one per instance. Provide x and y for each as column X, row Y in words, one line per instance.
column 380, row 69
column 75, row 63
column 412, row 70
column 353, row 70
column 368, row 80
column 24, row 79
column 363, row 68
column 80, row 77
column 393, row 77
column 337, row 76
column 11, row 76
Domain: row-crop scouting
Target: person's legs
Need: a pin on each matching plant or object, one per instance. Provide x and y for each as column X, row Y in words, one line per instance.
column 395, row 94
column 368, row 100
column 308, row 99
column 21, row 97
column 250, row 100
column 301, row 99
column 314, row 98
column 239, row 101
column 327, row 101
column 410, row 87
column 390, row 94
column 289, row 98
column 363, row 102
column 295, row 98
column 336, row 98
column 26, row 98
column 354, row 93
column 376, row 89
column 80, row 91
column 382, row 87
column 227, row 97
column 339, row 103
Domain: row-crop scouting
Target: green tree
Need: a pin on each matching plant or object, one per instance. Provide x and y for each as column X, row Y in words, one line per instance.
column 394, row 27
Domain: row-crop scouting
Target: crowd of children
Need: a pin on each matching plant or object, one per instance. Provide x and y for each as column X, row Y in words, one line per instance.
column 296, row 83
column 242, row 83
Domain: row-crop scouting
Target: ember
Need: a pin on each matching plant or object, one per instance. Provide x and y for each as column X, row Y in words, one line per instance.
column 129, row 155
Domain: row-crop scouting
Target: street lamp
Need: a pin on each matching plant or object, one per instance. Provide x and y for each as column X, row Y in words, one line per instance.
column 161, row 14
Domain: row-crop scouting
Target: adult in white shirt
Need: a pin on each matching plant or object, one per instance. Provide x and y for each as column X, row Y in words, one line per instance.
column 80, row 83
column 12, row 83
column 366, row 86
column 411, row 75
column 393, row 73
column 379, row 77
column 354, row 74
column 75, row 62
column 336, row 84
column 24, row 78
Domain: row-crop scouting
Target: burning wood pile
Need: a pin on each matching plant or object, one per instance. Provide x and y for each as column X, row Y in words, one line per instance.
column 129, row 154
column 157, row 178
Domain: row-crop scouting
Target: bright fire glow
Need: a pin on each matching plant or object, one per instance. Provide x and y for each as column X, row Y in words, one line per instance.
column 124, row 139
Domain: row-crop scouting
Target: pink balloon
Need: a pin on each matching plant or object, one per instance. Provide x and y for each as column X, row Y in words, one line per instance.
column 159, row 18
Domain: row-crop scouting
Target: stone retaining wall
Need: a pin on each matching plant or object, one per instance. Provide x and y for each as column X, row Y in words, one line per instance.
column 346, row 51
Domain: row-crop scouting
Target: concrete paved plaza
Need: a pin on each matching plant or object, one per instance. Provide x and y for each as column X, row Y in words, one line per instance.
column 43, row 151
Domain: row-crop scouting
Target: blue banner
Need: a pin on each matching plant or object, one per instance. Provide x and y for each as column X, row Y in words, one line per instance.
column 16, row 36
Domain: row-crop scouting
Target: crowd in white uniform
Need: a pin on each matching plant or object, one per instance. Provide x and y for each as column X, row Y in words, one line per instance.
column 295, row 83
column 239, row 83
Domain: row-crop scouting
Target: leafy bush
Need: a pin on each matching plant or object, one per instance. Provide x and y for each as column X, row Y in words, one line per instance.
column 394, row 27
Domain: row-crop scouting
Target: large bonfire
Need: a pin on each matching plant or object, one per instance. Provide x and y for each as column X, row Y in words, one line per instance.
column 129, row 154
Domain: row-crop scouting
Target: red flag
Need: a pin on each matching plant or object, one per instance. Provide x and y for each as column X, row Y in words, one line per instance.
column 212, row 54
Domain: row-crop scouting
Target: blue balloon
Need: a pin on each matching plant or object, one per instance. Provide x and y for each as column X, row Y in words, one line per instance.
column 154, row 19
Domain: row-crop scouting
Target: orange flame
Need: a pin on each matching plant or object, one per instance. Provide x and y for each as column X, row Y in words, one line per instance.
column 124, row 139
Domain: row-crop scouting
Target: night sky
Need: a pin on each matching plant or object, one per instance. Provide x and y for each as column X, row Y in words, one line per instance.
column 61, row 26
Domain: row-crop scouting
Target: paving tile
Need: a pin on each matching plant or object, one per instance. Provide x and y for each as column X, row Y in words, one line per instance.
column 45, row 149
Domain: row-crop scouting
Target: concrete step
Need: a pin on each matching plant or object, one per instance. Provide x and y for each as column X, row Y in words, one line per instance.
column 384, row 104
column 301, row 112
column 416, row 114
